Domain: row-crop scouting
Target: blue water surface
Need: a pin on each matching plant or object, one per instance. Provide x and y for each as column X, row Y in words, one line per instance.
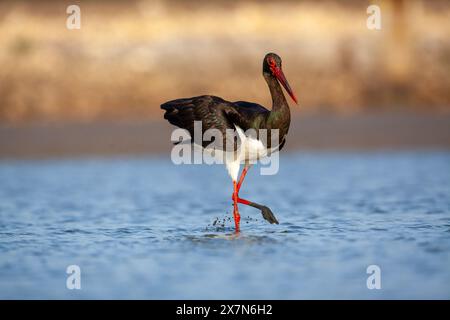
column 142, row 228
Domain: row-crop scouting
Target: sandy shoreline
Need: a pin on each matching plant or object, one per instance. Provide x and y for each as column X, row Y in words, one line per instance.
column 308, row 132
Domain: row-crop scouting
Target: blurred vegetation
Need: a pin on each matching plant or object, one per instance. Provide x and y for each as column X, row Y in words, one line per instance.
column 129, row 57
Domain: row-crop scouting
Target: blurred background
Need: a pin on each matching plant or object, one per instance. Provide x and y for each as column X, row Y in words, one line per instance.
column 86, row 177
column 97, row 90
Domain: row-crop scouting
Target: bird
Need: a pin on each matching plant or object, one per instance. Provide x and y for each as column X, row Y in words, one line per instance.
column 240, row 117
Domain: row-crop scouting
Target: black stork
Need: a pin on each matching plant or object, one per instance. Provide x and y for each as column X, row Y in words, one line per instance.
column 215, row 113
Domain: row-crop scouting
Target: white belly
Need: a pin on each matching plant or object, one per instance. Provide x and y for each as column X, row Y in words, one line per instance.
column 250, row 151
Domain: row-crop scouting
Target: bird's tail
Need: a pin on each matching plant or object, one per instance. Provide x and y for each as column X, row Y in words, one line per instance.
column 180, row 113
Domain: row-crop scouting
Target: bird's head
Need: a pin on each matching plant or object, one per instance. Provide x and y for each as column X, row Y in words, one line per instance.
column 272, row 68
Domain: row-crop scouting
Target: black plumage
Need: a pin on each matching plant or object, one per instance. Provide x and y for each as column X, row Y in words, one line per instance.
column 217, row 113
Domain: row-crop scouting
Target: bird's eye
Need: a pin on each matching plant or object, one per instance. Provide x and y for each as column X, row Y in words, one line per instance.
column 272, row 65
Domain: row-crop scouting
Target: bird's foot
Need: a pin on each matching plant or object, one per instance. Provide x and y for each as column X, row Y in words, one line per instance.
column 268, row 215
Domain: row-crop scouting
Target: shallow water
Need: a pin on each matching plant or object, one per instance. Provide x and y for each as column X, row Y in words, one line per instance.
column 143, row 228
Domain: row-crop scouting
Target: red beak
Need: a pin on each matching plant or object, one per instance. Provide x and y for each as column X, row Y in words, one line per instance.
column 282, row 79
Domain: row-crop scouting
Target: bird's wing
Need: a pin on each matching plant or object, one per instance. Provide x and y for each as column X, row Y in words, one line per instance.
column 208, row 109
column 214, row 113
column 246, row 115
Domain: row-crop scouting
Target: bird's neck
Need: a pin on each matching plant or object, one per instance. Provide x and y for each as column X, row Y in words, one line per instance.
column 280, row 114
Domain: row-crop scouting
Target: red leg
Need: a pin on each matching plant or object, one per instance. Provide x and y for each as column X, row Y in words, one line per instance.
column 241, row 179
column 243, row 201
column 236, row 215
column 235, row 197
column 266, row 212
